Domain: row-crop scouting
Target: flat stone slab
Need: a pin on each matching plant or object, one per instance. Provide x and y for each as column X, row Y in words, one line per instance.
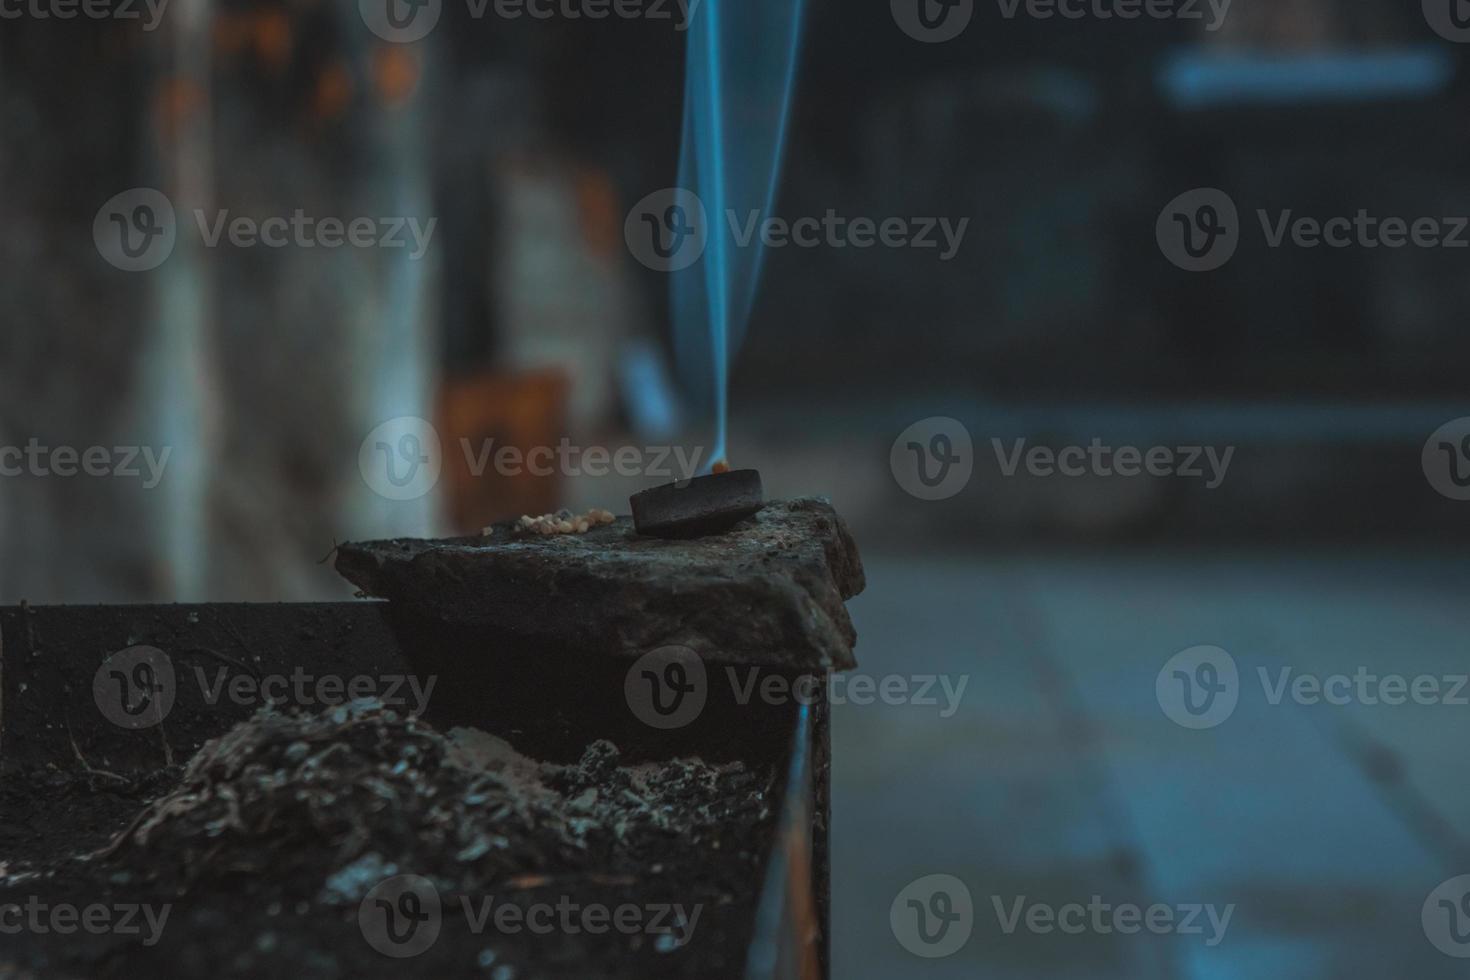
column 770, row 591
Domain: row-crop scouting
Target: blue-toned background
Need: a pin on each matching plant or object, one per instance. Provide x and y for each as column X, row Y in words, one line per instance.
column 1331, row 545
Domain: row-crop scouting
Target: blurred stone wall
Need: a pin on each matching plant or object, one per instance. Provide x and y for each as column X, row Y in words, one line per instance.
column 258, row 370
column 73, row 325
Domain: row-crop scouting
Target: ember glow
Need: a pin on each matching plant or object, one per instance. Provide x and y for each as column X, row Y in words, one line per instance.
column 741, row 64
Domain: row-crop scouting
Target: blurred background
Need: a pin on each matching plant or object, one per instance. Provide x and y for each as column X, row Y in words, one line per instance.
column 1331, row 543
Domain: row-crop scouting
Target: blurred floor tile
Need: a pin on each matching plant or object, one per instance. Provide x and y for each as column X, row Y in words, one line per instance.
column 1059, row 777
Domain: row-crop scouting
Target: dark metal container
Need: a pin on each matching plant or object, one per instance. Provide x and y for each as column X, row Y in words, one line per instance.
column 99, row 705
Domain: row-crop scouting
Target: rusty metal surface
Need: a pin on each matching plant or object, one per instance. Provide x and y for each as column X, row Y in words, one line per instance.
column 788, row 941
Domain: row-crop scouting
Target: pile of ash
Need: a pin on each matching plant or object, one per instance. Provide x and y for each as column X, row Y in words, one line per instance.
column 260, row 855
column 362, row 783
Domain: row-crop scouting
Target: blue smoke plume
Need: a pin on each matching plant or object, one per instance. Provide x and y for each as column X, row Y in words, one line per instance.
column 741, row 66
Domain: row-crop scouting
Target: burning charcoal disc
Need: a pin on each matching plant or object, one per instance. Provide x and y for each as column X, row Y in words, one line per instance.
column 697, row 507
